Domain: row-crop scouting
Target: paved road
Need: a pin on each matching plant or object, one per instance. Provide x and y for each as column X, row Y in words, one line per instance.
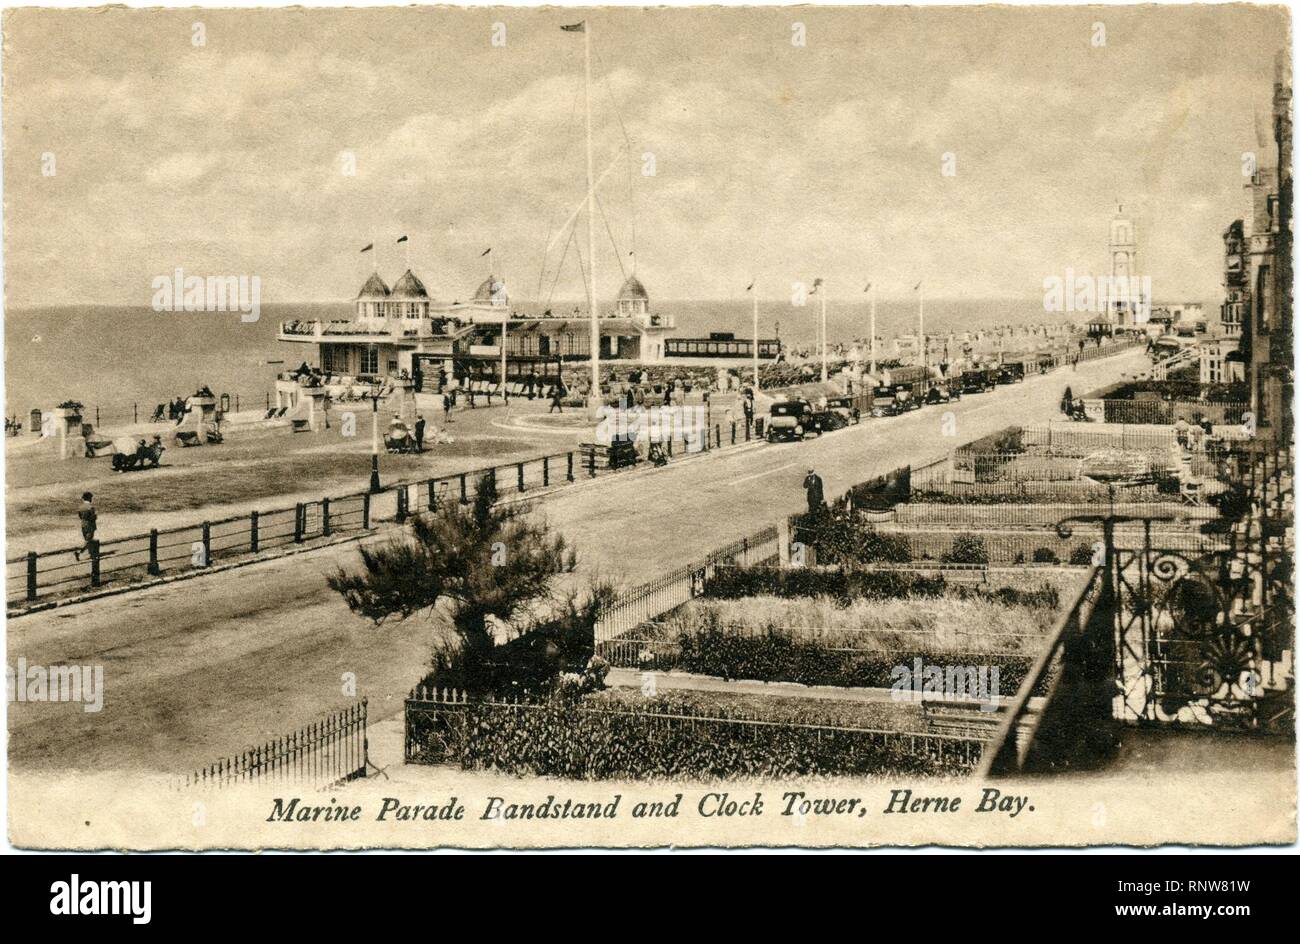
column 202, row 668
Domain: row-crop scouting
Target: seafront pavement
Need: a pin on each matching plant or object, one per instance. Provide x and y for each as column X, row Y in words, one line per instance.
column 231, row 659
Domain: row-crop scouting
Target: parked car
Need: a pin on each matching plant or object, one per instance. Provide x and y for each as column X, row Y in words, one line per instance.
column 789, row 420
column 1011, row 372
column 977, row 381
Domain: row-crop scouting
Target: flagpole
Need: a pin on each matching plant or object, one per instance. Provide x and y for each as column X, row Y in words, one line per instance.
column 873, row 330
column 754, row 289
column 591, row 225
column 823, row 294
column 505, row 323
column 920, row 317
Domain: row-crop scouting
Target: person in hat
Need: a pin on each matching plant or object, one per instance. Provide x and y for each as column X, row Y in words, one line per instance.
column 419, row 432
column 89, row 522
column 812, row 486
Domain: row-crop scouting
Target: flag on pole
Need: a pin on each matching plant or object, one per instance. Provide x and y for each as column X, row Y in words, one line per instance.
column 817, row 283
column 367, row 247
column 749, row 287
column 917, row 287
column 485, row 252
column 575, row 27
column 401, row 239
column 868, row 288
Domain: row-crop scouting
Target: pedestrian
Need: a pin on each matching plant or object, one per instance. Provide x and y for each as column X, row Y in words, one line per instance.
column 446, row 407
column 417, row 376
column 557, row 399
column 89, row 522
column 419, row 432
column 748, row 406
column 812, row 486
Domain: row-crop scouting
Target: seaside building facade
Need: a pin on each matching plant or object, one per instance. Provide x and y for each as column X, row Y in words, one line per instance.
column 400, row 333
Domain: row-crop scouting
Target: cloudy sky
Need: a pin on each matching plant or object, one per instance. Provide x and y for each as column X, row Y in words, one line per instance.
column 771, row 160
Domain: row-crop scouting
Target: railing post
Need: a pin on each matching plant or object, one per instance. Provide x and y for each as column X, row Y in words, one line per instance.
column 207, row 544
column 570, row 472
column 433, row 494
column 154, row 569
column 717, row 435
column 591, row 462
column 31, row 576
column 401, row 503
column 252, row 532
column 464, row 493
column 733, row 432
column 325, row 517
column 492, row 477
column 520, row 468
column 546, row 471
column 299, row 521
column 94, row 563
column 365, row 511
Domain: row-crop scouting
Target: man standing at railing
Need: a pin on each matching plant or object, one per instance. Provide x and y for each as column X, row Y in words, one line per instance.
column 89, row 521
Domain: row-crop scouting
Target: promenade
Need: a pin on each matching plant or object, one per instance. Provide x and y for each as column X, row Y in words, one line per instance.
column 200, row 668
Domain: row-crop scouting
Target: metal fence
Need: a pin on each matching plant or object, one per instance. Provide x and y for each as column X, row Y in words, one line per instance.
column 447, row 726
column 658, row 596
column 35, row 577
column 322, row 754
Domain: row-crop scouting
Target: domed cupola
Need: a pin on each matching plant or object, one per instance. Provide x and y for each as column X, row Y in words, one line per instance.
column 409, row 287
column 633, row 299
column 374, row 288
column 492, row 292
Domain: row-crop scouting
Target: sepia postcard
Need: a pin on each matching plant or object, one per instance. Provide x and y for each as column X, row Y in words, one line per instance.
column 612, row 427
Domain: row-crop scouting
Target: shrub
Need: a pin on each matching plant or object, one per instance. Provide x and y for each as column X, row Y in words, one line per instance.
column 1045, row 555
column 1081, row 555
column 967, row 548
column 604, row 738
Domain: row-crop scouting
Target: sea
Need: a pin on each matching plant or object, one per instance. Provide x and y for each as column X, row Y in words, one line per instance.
column 121, row 360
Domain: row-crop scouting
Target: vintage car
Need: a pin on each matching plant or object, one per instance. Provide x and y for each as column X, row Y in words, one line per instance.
column 850, row 406
column 790, row 420
column 1011, row 372
column 891, row 401
column 978, row 380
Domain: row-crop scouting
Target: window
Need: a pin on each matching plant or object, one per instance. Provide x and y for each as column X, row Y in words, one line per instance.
column 370, row 359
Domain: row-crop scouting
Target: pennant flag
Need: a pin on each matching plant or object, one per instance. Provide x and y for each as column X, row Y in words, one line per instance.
column 817, row 283
column 485, row 252
column 575, row 27
column 749, row 286
column 917, row 287
column 401, row 239
column 367, row 247
column 868, row 288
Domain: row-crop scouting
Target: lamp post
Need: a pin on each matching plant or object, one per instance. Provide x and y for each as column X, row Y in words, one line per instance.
column 374, row 442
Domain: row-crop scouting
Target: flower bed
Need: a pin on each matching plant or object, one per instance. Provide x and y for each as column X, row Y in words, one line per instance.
column 822, row 641
column 680, row 735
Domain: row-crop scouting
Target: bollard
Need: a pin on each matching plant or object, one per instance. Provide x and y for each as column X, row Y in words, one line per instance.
column 154, row 569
